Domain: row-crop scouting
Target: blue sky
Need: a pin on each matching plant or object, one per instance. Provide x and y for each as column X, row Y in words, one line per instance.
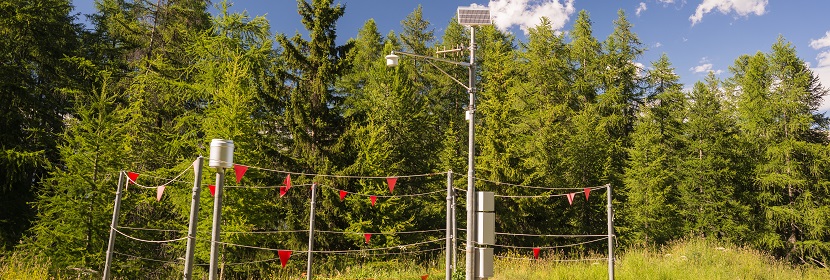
column 698, row 35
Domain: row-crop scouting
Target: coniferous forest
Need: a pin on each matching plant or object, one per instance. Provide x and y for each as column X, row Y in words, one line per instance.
column 145, row 87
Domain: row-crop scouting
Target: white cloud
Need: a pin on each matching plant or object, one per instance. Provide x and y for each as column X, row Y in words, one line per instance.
column 528, row 13
column 822, row 42
column 823, row 59
column 740, row 7
column 641, row 8
column 666, row 1
column 657, row 45
column 685, row 39
column 705, row 67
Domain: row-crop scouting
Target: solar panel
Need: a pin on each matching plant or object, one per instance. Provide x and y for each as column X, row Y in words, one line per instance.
column 471, row 16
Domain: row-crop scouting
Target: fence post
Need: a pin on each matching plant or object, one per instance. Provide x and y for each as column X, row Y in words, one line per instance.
column 194, row 218
column 610, row 234
column 311, row 232
column 115, row 212
column 448, row 266
column 217, row 222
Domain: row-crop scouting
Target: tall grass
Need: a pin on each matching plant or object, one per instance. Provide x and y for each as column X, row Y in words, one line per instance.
column 691, row 259
column 17, row 266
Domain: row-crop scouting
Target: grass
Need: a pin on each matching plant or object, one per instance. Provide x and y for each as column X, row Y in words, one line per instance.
column 694, row 259
column 691, row 259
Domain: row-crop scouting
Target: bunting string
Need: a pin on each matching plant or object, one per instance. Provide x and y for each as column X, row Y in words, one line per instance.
column 341, row 176
column 547, row 195
column 336, row 252
column 550, row 260
column 146, row 259
column 148, row 241
column 553, row 235
column 534, row 187
column 549, row 247
column 152, row 229
column 169, row 181
column 384, row 196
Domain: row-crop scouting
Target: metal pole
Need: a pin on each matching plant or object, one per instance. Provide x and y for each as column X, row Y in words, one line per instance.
column 311, row 232
column 471, row 191
column 115, row 212
column 217, row 220
column 454, row 231
column 194, row 218
column 610, row 234
column 448, row 265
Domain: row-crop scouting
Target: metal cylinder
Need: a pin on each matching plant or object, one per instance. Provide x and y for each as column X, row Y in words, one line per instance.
column 221, row 153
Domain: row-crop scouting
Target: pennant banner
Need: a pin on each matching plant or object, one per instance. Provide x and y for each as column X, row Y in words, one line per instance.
column 283, row 190
column 536, row 252
column 159, row 192
column 240, row 171
column 570, row 198
column 373, row 199
column 424, row 277
column 587, row 193
column 367, row 236
column 287, row 182
column 212, row 190
column 284, row 256
column 391, row 182
column 342, row 195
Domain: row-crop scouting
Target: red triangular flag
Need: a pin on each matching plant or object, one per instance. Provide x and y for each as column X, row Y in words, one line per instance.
column 367, row 236
column 391, row 181
column 240, row 171
column 212, row 190
column 342, row 195
column 373, row 199
column 132, row 176
column 587, row 193
column 536, row 252
column 284, row 256
column 424, row 277
column 287, row 182
column 571, row 198
column 283, row 190
column 159, row 192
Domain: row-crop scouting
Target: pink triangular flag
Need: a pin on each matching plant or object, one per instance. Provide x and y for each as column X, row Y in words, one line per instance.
column 391, row 181
column 159, row 192
column 342, row 195
column 536, row 252
column 240, row 172
column 424, row 277
column 373, row 199
column 571, row 198
column 287, row 182
column 367, row 236
column 212, row 190
column 587, row 192
column 284, row 256
column 283, row 190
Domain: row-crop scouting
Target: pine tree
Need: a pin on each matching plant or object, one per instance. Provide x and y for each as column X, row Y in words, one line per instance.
column 40, row 56
column 651, row 180
column 312, row 112
column 710, row 187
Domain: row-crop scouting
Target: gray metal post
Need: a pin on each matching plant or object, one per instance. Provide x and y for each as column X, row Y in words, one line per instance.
column 217, row 221
column 311, row 232
column 194, row 218
column 115, row 212
column 471, row 190
column 450, row 248
column 610, row 234
column 454, row 231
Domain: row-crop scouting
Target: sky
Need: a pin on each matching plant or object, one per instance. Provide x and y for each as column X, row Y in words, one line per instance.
column 697, row 35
